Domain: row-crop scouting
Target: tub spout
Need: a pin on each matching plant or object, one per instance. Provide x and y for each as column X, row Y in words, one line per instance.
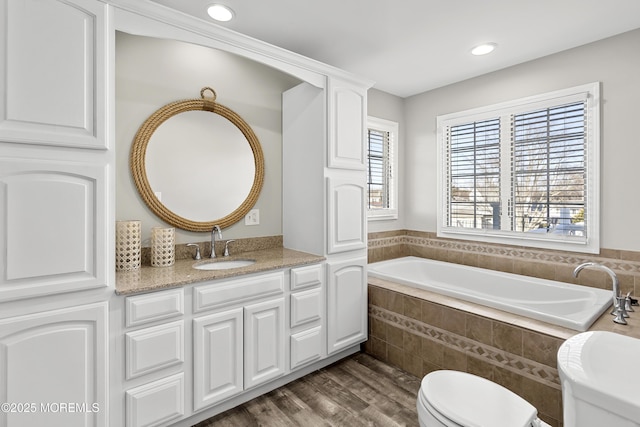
column 618, row 309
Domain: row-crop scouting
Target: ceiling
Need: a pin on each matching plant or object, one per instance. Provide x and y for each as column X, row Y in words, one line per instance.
column 411, row 46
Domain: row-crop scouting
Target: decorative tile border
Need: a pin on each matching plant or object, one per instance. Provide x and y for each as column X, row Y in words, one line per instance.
column 512, row 362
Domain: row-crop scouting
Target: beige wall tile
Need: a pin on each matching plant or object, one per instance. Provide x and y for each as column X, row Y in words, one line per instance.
column 479, row 329
column 541, row 348
column 507, row 338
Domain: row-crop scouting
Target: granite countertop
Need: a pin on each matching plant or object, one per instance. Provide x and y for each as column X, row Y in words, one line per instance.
column 147, row 278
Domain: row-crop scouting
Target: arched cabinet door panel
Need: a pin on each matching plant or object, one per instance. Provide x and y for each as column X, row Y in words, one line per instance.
column 52, row 359
column 346, row 212
column 52, row 226
column 346, row 121
column 346, row 303
column 53, row 57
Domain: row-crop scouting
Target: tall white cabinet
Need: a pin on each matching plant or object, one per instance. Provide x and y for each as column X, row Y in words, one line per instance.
column 324, row 189
column 54, row 214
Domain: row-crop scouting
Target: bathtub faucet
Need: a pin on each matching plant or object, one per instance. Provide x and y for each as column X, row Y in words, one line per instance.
column 618, row 300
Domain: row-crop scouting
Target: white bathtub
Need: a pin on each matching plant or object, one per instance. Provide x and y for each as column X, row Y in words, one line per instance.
column 563, row 304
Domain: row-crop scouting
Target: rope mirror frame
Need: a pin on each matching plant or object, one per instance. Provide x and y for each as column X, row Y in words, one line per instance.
column 138, row 154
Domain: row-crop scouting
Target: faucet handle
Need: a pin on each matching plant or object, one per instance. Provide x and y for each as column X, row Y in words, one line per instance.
column 197, row 256
column 226, row 247
column 620, row 313
column 628, row 303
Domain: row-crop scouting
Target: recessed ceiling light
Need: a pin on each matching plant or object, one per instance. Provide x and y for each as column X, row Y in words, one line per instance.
column 483, row 49
column 220, row 12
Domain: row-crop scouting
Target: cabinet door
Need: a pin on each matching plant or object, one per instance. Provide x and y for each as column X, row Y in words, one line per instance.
column 347, row 114
column 55, row 358
column 52, row 71
column 55, row 210
column 156, row 403
column 346, row 211
column 346, row 303
column 264, row 350
column 217, row 347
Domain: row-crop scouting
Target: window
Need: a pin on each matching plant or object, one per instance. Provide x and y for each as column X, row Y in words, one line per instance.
column 382, row 185
column 523, row 172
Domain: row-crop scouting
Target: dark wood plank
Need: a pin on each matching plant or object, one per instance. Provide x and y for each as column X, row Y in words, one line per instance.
column 357, row 391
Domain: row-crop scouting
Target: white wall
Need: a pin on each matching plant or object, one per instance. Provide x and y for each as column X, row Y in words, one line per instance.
column 614, row 62
column 153, row 72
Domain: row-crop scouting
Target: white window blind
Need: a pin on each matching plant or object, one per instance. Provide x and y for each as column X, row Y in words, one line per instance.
column 549, row 159
column 474, row 173
column 381, row 169
column 378, row 171
column 523, row 170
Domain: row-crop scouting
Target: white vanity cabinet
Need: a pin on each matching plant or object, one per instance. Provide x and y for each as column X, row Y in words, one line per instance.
column 241, row 344
column 152, row 376
column 307, row 319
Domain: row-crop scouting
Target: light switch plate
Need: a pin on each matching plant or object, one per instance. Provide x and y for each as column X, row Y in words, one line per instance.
column 253, row 217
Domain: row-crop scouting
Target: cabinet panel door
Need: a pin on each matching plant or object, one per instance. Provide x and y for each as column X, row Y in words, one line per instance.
column 52, row 358
column 55, row 210
column 53, row 57
column 151, row 349
column 306, row 307
column 141, row 309
column 346, row 303
column 264, row 342
column 156, row 403
column 306, row 277
column 306, row 346
column 217, row 347
column 347, row 114
column 227, row 292
column 346, row 212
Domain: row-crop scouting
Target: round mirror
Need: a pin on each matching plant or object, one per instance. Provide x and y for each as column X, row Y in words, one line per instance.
column 198, row 169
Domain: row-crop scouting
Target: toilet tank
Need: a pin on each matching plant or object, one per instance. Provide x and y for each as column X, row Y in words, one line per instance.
column 599, row 383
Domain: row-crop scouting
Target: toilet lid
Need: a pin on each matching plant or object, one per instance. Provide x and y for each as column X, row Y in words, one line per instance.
column 473, row 401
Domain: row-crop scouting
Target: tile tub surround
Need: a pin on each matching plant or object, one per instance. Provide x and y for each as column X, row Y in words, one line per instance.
column 421, row 331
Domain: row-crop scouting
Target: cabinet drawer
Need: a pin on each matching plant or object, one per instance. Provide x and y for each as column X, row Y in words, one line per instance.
column 306, row 306
column 155, row 403
column 304, row 277
column 141, row 309
column 234, row 291
column 155, row 348
column 306, row 346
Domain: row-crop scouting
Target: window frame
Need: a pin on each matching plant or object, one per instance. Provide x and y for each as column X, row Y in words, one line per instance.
column 392, row 128
column 591, row 244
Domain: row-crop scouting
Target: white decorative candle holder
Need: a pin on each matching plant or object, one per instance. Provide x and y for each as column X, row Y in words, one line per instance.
column 163, row 246
column 128, row 243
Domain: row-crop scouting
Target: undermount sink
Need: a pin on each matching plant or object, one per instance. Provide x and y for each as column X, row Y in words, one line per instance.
column 224, row 265
column 601, row 368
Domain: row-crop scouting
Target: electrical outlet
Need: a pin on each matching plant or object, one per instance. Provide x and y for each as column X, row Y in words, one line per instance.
column 253, row 217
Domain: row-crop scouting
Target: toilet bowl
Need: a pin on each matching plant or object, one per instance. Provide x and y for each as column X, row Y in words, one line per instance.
column 458, row 399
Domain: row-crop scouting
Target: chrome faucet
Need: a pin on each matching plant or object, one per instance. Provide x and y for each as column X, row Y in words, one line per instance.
column 618, row 300
column 214, row 230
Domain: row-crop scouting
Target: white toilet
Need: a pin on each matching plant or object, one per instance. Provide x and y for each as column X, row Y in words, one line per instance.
column 458, row 399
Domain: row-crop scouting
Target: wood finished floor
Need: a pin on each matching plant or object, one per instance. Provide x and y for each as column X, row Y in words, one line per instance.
column 357, row 391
